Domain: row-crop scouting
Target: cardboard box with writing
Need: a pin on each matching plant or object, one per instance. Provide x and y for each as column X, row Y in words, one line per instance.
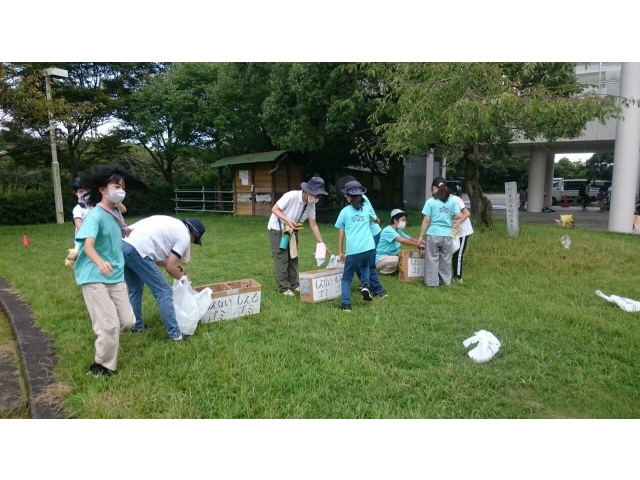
column 320, row 285
column 411, row 265
column 233, row 299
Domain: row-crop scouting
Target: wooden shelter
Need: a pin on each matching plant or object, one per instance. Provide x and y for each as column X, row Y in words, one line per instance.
column 260, row 179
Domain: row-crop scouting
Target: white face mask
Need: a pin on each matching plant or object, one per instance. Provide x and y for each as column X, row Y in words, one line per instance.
column 81, row 198
column 116, row 196
column 313, row 200
column 401, row 225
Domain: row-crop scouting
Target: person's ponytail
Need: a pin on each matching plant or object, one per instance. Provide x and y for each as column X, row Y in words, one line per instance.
column 443, row 192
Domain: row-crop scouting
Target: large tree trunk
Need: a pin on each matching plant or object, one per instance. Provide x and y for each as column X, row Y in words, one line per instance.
column 394, row 185
column 481, row 210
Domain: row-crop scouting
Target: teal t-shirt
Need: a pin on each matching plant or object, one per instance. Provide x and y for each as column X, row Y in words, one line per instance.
column 356, row 228
column 375, row 227
column 388, row 244
column 105, row 229
column 441, row 214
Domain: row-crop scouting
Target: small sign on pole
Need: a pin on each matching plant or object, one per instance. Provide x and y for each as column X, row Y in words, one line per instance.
column 513, row 222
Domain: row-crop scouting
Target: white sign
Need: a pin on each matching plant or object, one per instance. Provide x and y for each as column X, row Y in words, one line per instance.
column 328, row 287
column 245, row 181
column 246, row 304
column 416, row 267
column 243, row 175
column 220, row 309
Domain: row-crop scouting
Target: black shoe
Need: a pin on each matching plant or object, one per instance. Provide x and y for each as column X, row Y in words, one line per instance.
column 366, row 294
column 360, row 287
column 382, row 294
column 346, row 308
column 96, row 370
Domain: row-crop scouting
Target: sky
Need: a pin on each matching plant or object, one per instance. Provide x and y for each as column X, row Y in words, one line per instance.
column 574, row 157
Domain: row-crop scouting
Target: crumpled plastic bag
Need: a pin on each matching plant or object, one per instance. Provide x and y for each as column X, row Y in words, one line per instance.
column 565, row 240
column 333, row 262
column 190, row 305
column 488, row 346
column 626, row 304
column 567, row 221
column 321, row 253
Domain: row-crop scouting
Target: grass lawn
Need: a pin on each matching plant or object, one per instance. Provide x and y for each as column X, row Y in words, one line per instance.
column 565, row 352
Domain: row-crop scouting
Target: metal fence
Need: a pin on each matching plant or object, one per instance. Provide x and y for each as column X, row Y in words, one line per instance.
column 203, row 200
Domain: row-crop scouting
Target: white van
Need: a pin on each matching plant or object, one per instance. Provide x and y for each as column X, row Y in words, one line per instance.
column 556, row 190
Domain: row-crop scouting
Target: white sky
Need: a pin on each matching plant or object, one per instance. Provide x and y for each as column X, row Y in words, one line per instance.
column 574, row 157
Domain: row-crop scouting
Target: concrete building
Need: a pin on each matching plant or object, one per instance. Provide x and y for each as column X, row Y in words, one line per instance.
column 619, row 136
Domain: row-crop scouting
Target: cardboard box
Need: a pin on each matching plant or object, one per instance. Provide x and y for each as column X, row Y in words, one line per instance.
column 411, row 265
column 320, row 285
column 233, row 299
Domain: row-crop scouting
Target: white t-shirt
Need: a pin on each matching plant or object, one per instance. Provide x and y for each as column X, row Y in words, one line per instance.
column 465, row 227
column 79, row 212
column 159, row 235
column 291, row 205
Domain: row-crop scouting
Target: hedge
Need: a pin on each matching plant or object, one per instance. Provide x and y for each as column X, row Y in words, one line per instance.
column 34, row 206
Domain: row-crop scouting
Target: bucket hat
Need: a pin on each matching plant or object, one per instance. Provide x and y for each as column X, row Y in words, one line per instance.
column 315, row 186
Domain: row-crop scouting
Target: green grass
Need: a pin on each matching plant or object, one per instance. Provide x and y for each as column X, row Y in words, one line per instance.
column 565, row 352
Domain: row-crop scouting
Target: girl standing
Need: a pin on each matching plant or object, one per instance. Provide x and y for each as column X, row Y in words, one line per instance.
column 100, row 265
column 353, row 222
column 439, row 212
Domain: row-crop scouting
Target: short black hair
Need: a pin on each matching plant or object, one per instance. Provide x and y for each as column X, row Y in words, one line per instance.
column 100, row 176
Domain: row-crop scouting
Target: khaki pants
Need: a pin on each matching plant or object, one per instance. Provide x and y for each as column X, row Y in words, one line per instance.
column 111, row 313
column 387, row 264
column 285, row 267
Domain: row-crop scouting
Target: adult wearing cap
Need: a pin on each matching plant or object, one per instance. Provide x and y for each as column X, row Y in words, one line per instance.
column 391, row 239
column 158, row 241
column 293, row 208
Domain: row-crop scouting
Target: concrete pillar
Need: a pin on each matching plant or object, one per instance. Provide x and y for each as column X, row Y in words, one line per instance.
column 626, row 154
column 429, row 175
column 537, row 167
column 444, row 167
column 548, row 179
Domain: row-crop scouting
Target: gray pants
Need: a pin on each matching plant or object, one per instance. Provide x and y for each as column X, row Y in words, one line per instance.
column 437, row 261
column 285, row 267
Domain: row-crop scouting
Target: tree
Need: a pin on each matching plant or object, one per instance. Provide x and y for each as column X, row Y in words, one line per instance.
column 565, row 168
column 323, row 109
column 197, row 110
column 475, row 110
column 82, row 103
column 600, row 166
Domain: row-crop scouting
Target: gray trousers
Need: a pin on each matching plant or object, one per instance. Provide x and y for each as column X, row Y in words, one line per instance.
column 437, row 261
column 285, row 267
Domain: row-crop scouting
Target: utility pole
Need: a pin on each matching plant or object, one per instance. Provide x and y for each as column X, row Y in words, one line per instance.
column 55, row 166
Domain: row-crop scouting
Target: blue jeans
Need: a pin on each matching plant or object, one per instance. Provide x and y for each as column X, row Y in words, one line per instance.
column 137, row 272
column 372, row 266
column 369, row 277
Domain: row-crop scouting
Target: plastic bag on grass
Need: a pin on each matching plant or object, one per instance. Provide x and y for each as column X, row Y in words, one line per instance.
column 626, row 304
column 488, row 346
column 190, row 305
column 565, row 240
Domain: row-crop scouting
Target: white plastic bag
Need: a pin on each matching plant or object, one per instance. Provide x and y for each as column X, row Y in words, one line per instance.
column 565, row 240
column 333, row 262
column 190, row 305
column 626, row 304
column 455, row 244
column 488, row 346
column 321, row 252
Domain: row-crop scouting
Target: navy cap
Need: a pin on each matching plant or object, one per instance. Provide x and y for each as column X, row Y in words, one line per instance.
column 196, row 227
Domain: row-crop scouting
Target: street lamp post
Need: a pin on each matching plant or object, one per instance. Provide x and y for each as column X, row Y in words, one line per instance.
column 55, row 166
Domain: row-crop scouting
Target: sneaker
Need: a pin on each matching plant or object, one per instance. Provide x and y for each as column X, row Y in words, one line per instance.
column 382, row 294
column 297, row 289
column 288, row 293
column 96, row 370
column 457, row 279
column 346, row 308
column 137, row 330
column 366, row 294
column 178, row 339
column 360, row 287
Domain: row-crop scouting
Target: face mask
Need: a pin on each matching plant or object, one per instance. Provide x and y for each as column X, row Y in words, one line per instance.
column 401, row 225
column 116, row 196
column 313, row 201
column 81, row 198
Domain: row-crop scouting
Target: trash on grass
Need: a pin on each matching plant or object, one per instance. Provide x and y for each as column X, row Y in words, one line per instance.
column 566, row 241
column 488, row 346
column 566, row 221
column 626, row 304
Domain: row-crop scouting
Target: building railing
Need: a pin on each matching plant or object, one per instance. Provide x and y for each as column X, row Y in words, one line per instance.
column 203, row 200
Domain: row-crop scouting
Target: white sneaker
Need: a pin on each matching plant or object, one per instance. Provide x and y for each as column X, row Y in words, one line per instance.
column 288, row 293
column 178, row 339
column 297, row 289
